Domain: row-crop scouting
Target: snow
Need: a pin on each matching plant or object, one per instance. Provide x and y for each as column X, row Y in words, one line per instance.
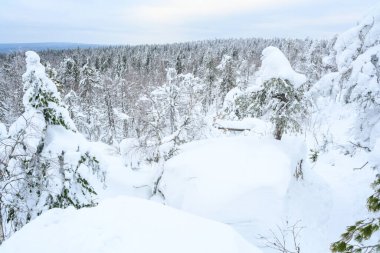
column 276, row 65
column 125, row 224
column 36, row 81
column 212, row 175
column 33, row 123
column 244, row 181
column 119, row 178
column 3, row 131
column 355, row 84
column 35, row 68
column 355, row 41
column 248, row 183
column 254, row 125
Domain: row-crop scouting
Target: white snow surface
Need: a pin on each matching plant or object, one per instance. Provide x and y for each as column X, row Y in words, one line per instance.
column 244, row 181
column 232, row 178
column 248, row 182
column 33, row 123
column 125, row 224
column 274, row 64
column 3, row 131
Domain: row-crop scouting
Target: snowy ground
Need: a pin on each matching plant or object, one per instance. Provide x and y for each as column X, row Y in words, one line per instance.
column 246, row 181
column 249, row 183
column 125, row 225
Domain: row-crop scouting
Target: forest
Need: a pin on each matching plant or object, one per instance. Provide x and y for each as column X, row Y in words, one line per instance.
column 278, row 139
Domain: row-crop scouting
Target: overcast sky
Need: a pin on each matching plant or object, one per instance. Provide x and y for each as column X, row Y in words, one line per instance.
column 162, row 21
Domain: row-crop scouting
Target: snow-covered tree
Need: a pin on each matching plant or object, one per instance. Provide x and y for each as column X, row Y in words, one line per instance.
column 69, row 73
column 356, row 79
column 356, row 237
column 209, row 78
column 228, row 76
column 356, row 84
column 38, row 171
column 277, row 96
column 145, row 66
column 174, row 113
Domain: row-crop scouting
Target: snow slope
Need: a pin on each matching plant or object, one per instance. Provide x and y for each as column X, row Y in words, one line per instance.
column 125, row 225
column 245, row 181
column 232, row 179
column 249, row 183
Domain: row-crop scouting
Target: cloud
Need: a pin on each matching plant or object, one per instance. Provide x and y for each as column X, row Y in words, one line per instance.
column 160, row 21
column 171, row 11
column 328, row 20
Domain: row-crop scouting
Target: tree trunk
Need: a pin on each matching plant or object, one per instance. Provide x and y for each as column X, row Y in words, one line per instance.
column 1, row 227
column 278, row 132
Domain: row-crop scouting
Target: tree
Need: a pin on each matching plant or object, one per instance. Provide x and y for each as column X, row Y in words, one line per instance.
column 173, row 115
column 355, row 238
column 285, row 239
column 228, row 75
column 278, row 95
column 90, row 93
column 210, row 78
column 68, row 74
column 36, row 173
column 277, row 101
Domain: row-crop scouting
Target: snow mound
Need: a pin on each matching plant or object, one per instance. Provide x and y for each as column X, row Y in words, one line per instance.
column 276, row 65
column 125, row 225
column 231, row 179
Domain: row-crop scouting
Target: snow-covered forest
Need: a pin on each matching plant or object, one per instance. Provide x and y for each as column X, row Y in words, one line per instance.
column 238, row 145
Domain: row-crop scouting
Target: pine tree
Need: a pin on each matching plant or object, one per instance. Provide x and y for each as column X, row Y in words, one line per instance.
column 278, row 101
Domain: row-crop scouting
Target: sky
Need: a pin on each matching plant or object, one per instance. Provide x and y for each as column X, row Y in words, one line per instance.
column 167, row 21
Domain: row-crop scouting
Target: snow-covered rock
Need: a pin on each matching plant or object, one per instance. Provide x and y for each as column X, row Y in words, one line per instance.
column 125, row 225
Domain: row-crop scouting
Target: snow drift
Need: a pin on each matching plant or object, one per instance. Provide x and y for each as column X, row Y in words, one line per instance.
column 125, row 225
column 232, row 179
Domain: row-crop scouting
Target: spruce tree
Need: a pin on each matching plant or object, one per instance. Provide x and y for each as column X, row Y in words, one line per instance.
column 279, row 102
column 36, row 175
